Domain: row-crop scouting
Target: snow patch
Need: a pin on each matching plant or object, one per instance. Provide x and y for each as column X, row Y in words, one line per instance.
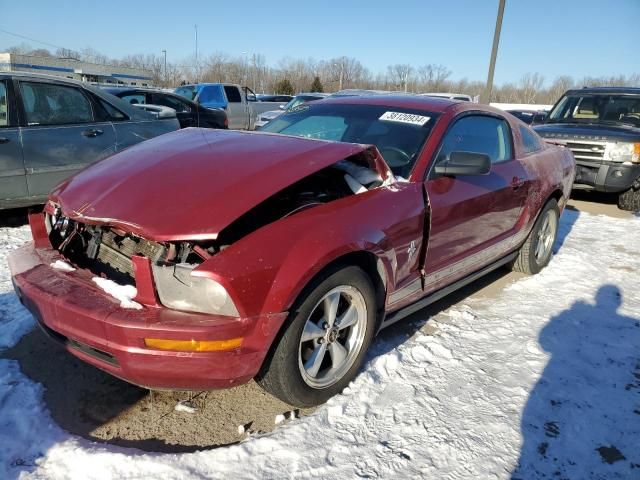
column 186, row 407
column 544, row 378
column 124, row 293
column 62, row 265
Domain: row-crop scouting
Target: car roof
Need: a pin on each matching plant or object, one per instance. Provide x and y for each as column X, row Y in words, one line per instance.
column 604, row 90
column 431, row 104
column 43, row 76
column 416, row 102
column 444, row 94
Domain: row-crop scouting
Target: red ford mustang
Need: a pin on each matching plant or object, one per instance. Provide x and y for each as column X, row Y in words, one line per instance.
column 203, row 258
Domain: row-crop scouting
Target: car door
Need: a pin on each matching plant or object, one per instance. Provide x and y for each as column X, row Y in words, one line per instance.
column 13, row 183
column 186, row 116
column 236, row 108
column 60, row 133
column 473, row 217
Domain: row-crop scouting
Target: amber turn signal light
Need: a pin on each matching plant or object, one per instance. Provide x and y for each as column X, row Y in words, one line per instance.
column 193, row 345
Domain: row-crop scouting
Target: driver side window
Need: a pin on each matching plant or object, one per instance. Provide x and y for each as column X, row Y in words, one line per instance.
column 478, row 134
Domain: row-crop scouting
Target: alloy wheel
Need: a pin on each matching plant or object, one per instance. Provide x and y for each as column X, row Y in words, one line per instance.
column 332, row 336
column 546, row 237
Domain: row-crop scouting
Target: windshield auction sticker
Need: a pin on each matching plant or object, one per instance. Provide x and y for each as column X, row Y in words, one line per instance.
column 404, row 118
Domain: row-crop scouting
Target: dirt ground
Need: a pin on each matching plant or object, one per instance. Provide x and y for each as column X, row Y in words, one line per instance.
column 87, row 402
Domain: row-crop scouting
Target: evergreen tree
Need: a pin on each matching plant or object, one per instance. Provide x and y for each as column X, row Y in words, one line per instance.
column 284, row 87
column 316, row 86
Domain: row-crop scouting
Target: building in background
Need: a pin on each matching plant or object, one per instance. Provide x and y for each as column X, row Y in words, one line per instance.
column 75, row 69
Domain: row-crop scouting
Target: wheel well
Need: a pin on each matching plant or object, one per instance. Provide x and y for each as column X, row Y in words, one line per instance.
column 371, row 265
column 368, row 262
column 556, row 195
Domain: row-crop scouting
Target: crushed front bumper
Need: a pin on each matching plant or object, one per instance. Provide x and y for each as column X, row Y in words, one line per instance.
column 92, row 326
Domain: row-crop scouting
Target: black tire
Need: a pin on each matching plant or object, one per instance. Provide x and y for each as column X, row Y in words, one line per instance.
column 526, row 262
column 629, row 200
column 280, row 375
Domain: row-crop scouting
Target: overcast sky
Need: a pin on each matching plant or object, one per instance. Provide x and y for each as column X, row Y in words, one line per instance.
column 552, row 37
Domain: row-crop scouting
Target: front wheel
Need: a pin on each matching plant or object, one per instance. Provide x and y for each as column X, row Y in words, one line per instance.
column 324, row 341
column 536, row 251
column 629, row 200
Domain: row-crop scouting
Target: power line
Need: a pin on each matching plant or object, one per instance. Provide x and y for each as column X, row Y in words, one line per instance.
column 33, row 39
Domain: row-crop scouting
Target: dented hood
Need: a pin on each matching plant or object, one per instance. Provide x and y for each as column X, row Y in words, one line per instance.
column 192, row 183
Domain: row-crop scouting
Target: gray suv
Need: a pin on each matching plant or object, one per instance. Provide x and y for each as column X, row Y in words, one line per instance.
column 51, row 127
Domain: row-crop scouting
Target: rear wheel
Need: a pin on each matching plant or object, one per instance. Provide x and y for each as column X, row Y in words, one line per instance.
column 536, row 251
column 629, row 200
column 325, row 340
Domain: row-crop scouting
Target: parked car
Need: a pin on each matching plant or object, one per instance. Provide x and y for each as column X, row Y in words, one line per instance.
column 287, row 252
column 601, row 126
column 530, row 117
column 189, row 113
column 262, row 97
column 299, row 99
column 239, row 103
column 51, row 127
column 451, row 96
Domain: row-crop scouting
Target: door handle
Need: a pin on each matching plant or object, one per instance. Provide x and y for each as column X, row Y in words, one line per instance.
column 517, row 182
column 92, row 132
column 4, row 140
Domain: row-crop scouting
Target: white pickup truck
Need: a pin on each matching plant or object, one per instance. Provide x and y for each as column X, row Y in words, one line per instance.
column 239, row 102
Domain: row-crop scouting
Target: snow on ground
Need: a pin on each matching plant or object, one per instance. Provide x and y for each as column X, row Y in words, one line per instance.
column 542, row 381
column 15, row 321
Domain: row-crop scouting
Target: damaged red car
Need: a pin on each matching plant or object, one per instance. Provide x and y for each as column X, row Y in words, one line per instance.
column 202, row 259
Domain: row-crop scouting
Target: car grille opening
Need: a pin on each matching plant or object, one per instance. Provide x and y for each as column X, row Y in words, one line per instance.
column 102, row 250
column 589, row 150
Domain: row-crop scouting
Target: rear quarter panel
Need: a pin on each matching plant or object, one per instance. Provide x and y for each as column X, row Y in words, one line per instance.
column 551, row 171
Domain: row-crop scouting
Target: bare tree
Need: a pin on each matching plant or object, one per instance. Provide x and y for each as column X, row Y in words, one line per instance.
column 399, row 74
column 531, row 85
column 433, row 77
column 558, row 87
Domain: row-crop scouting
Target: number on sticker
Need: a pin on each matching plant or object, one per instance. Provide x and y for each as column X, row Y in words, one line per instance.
column 400, row 117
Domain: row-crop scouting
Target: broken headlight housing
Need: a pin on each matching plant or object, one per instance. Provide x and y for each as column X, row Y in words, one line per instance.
column 180, row 290
column 622, row 152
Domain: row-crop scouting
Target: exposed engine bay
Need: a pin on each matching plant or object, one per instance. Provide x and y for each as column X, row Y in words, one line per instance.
column 108, row 251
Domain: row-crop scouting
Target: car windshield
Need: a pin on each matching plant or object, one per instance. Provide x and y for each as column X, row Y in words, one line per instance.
column 188, row 91
column 597, row 108
column 399, row 133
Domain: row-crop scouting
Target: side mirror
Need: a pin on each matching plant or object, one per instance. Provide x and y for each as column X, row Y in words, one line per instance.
column 464, row 163
column 281, row 107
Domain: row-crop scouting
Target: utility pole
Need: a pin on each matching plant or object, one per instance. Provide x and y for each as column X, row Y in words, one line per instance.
column 254, row 73
column 165, row 66
column 197, row 67
column 494, row 52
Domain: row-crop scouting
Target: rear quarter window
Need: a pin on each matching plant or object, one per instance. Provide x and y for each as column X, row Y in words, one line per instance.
column 531, row 142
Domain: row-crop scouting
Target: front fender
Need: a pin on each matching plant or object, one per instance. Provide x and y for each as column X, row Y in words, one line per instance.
column 265, row 271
